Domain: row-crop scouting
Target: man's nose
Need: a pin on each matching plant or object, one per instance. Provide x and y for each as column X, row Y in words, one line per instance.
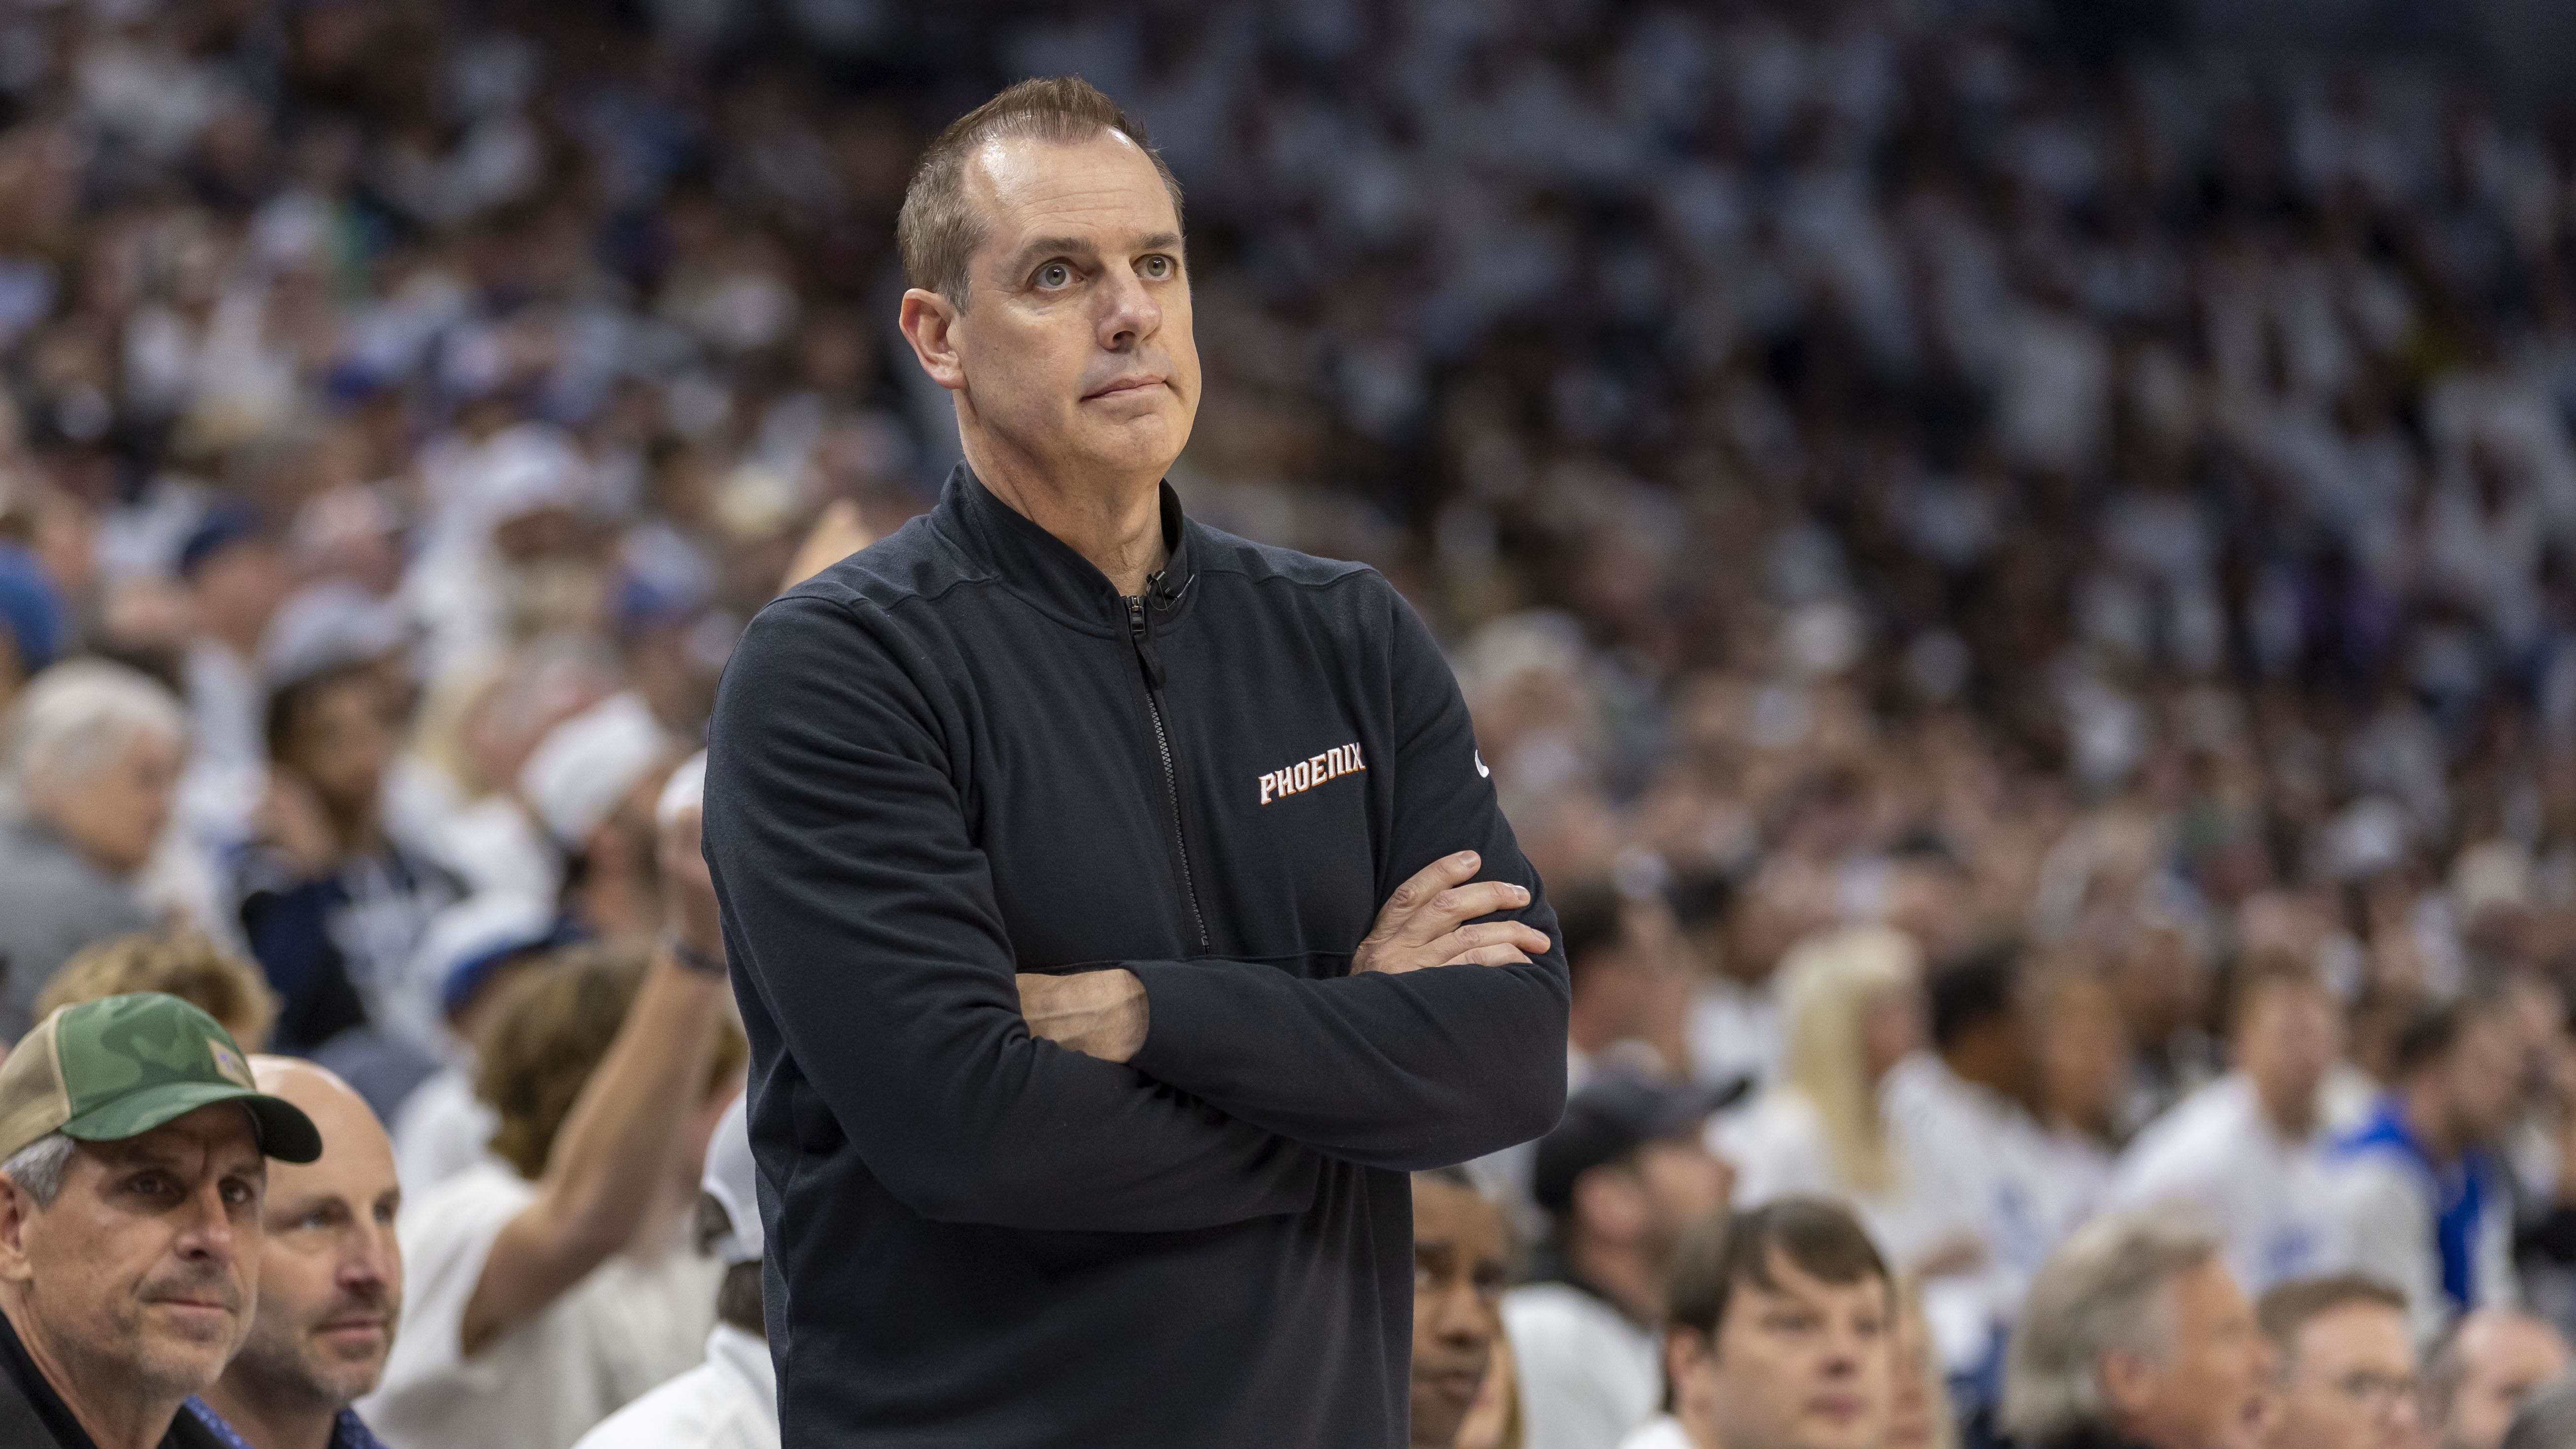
column 209, row 1231
column 368, row 1260
column 1128, row 313
column 1461, row 1315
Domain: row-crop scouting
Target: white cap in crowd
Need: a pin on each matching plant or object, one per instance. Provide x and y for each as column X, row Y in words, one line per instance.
column 731, row 1181
column 589, row 763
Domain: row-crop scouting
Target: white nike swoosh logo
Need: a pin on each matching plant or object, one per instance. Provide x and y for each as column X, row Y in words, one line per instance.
column 1481, row 771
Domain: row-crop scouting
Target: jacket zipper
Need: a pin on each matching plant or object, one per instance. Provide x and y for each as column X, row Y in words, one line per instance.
column 1140, row 634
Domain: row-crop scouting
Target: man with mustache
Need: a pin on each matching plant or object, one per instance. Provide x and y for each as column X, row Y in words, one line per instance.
column 330, row 1280
column 133, row 1165
column 1052, row 833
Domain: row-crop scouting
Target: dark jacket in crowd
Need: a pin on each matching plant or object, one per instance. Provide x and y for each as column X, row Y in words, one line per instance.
column 961, row 754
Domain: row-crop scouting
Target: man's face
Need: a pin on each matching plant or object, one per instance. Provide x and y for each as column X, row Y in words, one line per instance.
column 1805, row 1364
column 2506, row 1356
column 2350, row 1383
column 1074, row 347
column 341, row 743
column 2208, row 1389
column 147, row 1264
column 2485, row 1073
column 116, row 814
column 2286, row 1044
column 1684, row 1182
column 330, row 1277
column 1459, row 1268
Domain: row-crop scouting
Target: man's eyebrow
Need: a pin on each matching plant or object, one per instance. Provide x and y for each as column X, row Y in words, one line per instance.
column 1050, row 246
column 1082, row 250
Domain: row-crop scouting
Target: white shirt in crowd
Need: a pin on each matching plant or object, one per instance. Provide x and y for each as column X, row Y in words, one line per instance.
column 441, row 1129
column 1734, row 1031
column 1588, row 1374
column 728, row 1402
column 1777, row 1148
column 1962, row 1144
column 632, row 1324
column 2267, row 1195
column 1661, row 1432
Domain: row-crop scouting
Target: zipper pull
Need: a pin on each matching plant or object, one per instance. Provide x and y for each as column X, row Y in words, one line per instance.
column 1140, row 632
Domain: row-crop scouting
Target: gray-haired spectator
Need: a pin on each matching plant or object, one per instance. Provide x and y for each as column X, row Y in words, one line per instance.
column 2135, row 1334
column 2480, row 1373
column 96, row 754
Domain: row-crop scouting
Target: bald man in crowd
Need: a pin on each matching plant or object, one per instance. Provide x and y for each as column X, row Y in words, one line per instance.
column 330, row 1280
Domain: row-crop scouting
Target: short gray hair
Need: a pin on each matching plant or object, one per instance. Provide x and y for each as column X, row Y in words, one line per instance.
column 38, row 1167
column 2102, row 1292
column 75, row 718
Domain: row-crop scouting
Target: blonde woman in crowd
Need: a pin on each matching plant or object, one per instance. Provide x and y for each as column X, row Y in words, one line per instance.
column 1851, row 1009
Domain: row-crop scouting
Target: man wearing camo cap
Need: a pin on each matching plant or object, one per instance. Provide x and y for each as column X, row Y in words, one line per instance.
column 133, row 1159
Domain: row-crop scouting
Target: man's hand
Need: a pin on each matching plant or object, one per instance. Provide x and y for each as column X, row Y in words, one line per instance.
column 1097, row 1013
column 1420, row 925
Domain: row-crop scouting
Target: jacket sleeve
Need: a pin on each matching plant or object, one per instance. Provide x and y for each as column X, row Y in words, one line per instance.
column 1406, row 1072
column 862, row 917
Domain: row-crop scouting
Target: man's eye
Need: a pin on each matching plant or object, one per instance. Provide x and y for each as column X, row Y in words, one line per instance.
column 238, row 1193
column 1158, row 267
column 1055, row 274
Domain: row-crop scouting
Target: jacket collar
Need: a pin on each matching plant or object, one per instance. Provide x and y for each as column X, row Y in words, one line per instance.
column 1045, row 569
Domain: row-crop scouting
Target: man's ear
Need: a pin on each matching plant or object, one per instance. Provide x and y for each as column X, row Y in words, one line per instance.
column 17, row 1214
column 929, row 323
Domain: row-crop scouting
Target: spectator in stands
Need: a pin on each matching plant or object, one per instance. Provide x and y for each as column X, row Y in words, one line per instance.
column 1621, row 1176
column 96, row 755
column 132, row 1164
column 592, row 784
column 330, row 1279
column 1781, row 1334
column 2135, row 1334
column 2423, row 1197
column 472, row 953
column 731, row 1400
column 1462, row 1259
column 332, row 904
column 185, row 964
column 236, row 578
column 2346, row 1363
column 1851, row 1010
column 2482, row 1370
column 1959, row 1117
column 606, row 1080
column 2081, row 1046
column 2244, row 1150
column 1626, row 995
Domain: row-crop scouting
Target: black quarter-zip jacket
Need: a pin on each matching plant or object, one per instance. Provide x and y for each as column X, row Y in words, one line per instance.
column 960, row 754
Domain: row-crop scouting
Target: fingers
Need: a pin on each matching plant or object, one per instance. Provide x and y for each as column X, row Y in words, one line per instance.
column 1444, row 912
column 1426, row 883
column 1490, row 956
column 1507, row 935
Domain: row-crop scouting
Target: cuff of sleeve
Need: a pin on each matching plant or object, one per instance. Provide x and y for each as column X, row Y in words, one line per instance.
column 1181, row 1017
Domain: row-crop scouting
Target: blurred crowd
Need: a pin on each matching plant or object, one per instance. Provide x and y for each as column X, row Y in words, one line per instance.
column 2025, row 607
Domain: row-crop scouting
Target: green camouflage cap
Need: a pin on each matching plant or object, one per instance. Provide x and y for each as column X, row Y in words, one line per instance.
column 106, row 1070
